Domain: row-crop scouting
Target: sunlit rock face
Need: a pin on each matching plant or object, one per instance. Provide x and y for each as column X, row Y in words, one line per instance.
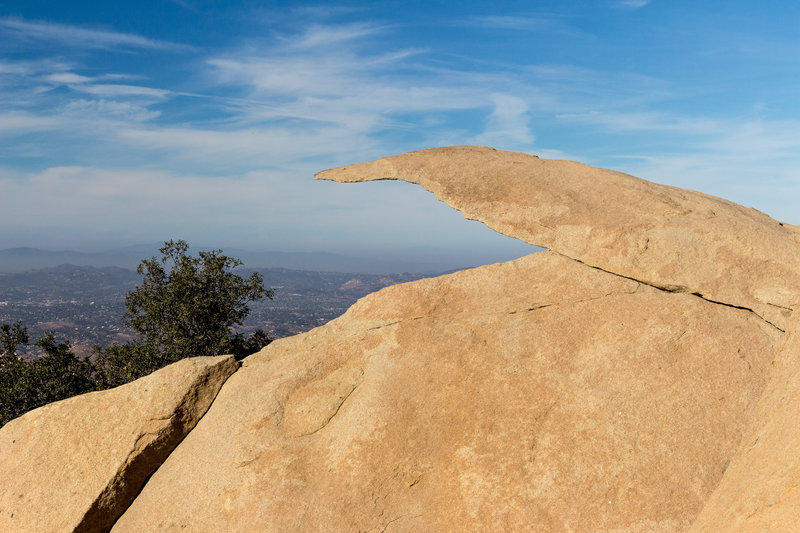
column 674, row 239
column 77, row 464
column 539, row 391
column 637, row 376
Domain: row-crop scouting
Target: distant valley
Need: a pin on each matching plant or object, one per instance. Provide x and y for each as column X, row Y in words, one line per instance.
column 84, row 304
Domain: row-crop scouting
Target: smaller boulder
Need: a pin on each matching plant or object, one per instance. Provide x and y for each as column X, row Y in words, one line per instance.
column 77, row 464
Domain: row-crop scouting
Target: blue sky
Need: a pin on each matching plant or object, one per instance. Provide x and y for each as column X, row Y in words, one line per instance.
column 130, row 122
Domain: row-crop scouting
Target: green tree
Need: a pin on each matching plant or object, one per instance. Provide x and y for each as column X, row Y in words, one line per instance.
column 11, row 337
column 12, row 369
column 185, row 306
column 122, row 363
column 26, row 385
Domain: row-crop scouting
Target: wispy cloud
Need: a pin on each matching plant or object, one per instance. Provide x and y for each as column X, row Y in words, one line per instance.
column 75, row 36
column 13, row 122
column 507, row 22
column 110, row 110
column 31, row 67
column 17, row 68
column 632, row 122
column 102, row 89
column 348, row 89
column 634, row 3
column 318, row 35
column 248, row 148
column 67, row 78
column 507, row 126
column 528, row 23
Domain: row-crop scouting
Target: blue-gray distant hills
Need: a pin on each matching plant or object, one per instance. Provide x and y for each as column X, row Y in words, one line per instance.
column 14, row 260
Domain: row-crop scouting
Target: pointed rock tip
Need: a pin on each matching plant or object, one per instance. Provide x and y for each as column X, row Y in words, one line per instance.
column 659, row 235
column 395, row 167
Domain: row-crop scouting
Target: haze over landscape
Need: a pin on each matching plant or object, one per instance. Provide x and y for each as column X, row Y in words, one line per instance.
column 129, row 123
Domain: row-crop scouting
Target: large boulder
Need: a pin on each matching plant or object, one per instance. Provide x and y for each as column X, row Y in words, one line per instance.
column 76, row 465
column 604, row 385
column 539, row 392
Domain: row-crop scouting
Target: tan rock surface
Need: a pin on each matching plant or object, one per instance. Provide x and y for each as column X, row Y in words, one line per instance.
column 761, row 488
column 75, row 465
column 539, row 394
column 672, row 238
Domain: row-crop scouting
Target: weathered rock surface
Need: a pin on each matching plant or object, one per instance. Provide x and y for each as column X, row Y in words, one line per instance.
column 536, row 393
column 75, row 465
column 672, row 238
column 761, row 488
column 637, row 377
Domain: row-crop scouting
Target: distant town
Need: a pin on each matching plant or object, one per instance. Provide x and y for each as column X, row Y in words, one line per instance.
column 84, row 305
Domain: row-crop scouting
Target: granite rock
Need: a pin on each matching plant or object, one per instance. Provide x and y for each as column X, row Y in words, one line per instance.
column 76, row 465
column 675, row 239
column 535, row 393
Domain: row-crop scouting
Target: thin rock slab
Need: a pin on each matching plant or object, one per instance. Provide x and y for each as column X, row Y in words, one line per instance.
column 537, row 395
column 75, row 465
column 675, row 239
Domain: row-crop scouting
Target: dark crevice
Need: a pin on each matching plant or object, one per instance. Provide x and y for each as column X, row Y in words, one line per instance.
column 678, row 289
column 173, row 446
column 396, row 322
column 336, row 412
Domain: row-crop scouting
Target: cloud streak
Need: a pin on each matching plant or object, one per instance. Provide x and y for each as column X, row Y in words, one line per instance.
column 636, row 4
column 79, row 37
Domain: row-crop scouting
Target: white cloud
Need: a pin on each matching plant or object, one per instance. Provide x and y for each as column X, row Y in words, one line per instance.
column 529, row 23
column 14, row 68
column 121, row 90
column 750, row 163
column 255, row 146
column 81, row 37
column 507, row 126
column 124, row 111
column 634, row 3
column 355, row 91
column 309, row 73
column 317, row 36
column 24, row 69
column 322, row 93
column 14, row 122
column 67, row 78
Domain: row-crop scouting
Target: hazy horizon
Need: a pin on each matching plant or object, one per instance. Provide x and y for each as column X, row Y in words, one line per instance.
column 136, row 122
column 416, row 260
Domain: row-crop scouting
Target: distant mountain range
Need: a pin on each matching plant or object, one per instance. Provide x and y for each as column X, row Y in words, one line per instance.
column 14, row 260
